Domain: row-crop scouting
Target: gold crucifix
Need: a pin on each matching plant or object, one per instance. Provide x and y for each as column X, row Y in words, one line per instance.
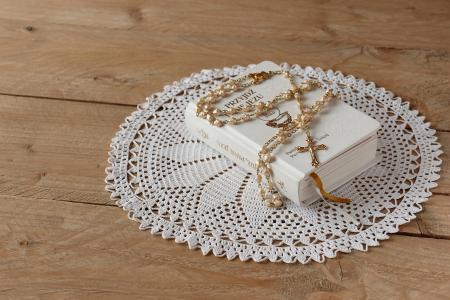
column 311, row 147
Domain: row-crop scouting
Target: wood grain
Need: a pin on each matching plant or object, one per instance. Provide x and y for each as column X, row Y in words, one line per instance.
column 121, row 51
column 71, row 71
column 58, row 150
column 56, row 250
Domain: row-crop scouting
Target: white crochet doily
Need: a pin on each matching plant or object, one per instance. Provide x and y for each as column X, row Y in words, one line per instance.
column 176, row 186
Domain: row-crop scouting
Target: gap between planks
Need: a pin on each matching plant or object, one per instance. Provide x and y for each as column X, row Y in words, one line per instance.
column 87, row 101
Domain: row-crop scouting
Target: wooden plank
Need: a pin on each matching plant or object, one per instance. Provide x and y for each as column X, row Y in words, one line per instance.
column 191, row 17
column 58, row 150
column 116, row 51
column 57, row 250
column 434, row 220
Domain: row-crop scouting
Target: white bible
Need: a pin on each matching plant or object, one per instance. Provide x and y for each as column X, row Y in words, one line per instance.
column 350, row 137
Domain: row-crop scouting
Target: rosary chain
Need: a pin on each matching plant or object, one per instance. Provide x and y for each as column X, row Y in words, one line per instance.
column 235, row 115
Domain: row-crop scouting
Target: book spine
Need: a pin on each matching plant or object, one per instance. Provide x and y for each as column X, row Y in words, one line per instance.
column 223, row 141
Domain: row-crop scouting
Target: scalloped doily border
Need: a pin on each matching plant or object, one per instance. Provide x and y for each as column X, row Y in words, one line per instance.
column 222, row 248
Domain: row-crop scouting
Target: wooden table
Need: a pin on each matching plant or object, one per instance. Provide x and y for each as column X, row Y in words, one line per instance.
column 71, row 71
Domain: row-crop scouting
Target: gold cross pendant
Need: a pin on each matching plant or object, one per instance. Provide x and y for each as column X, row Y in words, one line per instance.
column 311, row 147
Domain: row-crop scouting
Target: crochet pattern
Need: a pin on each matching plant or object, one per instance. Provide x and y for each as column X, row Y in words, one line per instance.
column 176, row 186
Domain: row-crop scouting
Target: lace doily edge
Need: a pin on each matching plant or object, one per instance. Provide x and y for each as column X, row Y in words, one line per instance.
column 132, row 205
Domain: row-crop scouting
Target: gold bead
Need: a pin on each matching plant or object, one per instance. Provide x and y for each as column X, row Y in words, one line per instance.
column 306, row 118
column 267, row 158
column 261, row 165
column 210, row 99
column 328, row 96
column 268, row 202
column 210, row 118
column 259, row 77
column 218, row 123
column 277, row 202
column 258, row 178
column 230, row 85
